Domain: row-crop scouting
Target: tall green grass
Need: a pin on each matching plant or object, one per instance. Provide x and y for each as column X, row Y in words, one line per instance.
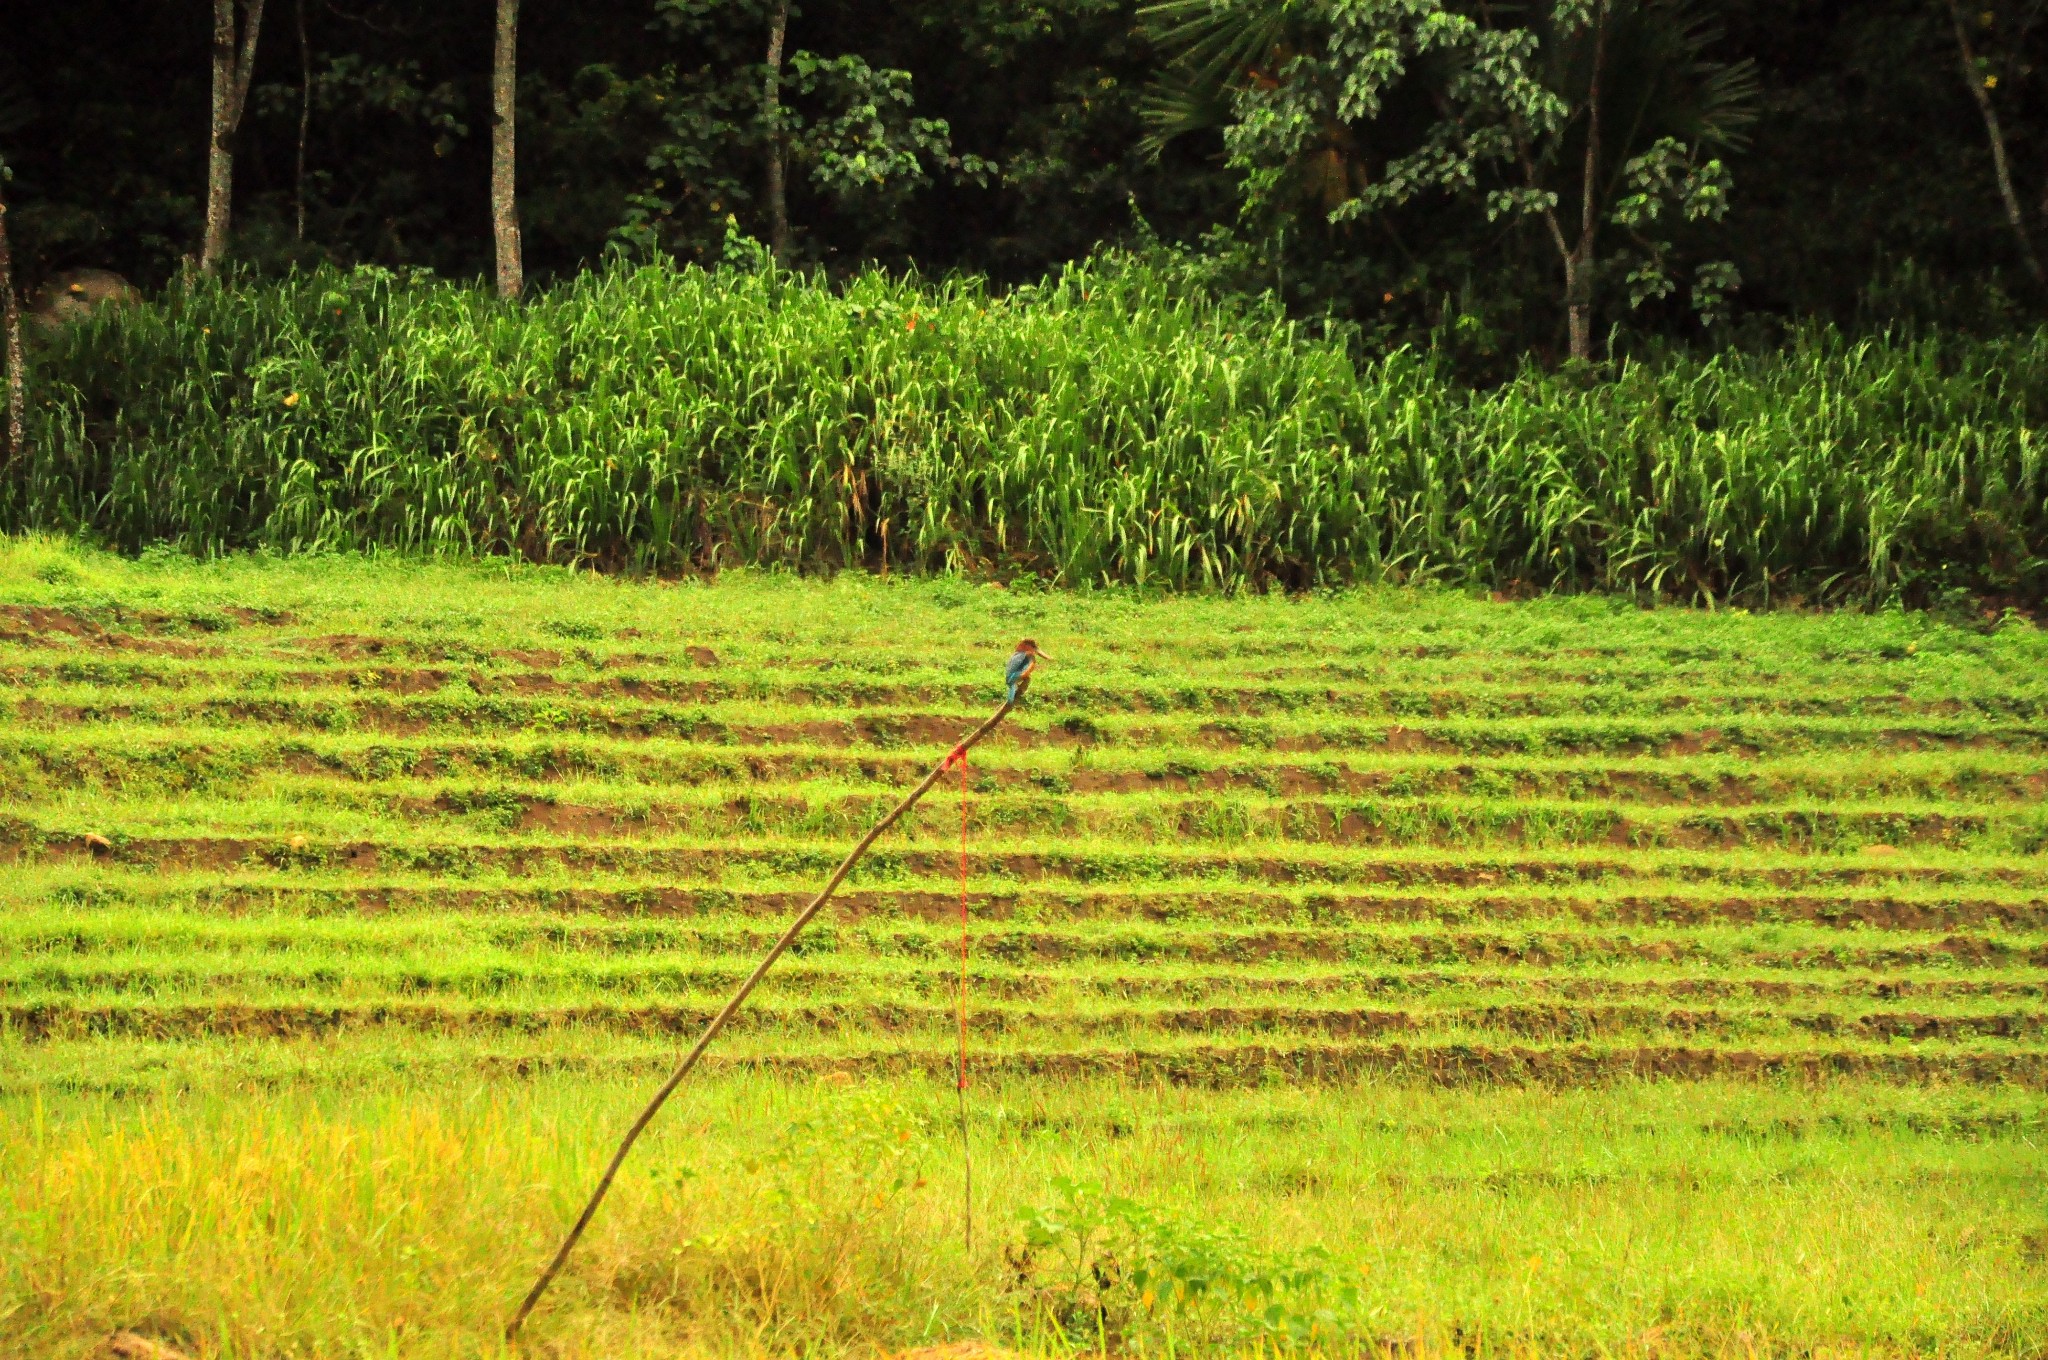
column 256, row 1213
column 1107, row 425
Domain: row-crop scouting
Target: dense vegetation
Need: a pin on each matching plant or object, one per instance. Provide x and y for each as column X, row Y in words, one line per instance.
column 350, row 908
column 1865, row 156
column 1114, row 424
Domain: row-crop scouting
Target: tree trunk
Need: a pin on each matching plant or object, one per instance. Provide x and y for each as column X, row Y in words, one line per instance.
column 220, row 160
column 10, row 320
column 771, row 118
column 1579, row 263
column 504, row 187
column 1578, row 306
column 1995, row 133
column 305, row 122
column 233, row 65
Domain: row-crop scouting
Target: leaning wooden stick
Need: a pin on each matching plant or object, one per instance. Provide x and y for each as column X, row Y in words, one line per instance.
column 739, row 998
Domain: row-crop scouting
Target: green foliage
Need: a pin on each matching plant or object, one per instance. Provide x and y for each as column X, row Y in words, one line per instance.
column 1118, row 1263
column 1323, row 118
column 1112, row 425
column 866, row 145
column 1874, row 159
column 849, row 126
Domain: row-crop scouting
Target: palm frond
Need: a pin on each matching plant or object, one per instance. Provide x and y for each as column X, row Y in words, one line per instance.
column 1212, row 45
column 1180, row 101
column 1730, row 95
column 1662, row 79
column 1220, row 38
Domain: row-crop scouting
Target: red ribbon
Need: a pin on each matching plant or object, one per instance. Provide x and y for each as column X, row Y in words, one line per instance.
column 961, row 753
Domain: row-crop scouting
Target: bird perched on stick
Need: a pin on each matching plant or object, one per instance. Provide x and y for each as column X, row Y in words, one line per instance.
column 1023, row 661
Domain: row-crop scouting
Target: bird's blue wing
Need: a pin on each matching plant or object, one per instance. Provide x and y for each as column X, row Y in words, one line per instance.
column 1019, row 663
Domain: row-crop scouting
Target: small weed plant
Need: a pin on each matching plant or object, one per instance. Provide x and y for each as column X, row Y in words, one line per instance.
column 1104, row 1266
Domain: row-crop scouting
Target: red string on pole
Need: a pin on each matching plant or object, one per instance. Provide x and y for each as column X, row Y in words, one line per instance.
column 963, row 922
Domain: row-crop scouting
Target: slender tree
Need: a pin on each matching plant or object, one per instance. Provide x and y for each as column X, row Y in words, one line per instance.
column 10, row 320
column 504, row 160
column 305, row 124
column 234, row 61
column 771, row 121
column 1577, row 257
column 1640, row 108
column 1982, row 79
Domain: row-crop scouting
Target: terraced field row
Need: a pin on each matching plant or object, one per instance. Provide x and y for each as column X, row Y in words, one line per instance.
column 543, row 773
column 1225, row 840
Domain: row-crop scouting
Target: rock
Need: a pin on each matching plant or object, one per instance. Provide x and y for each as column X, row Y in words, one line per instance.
column 78, row 294
column 135, row 1346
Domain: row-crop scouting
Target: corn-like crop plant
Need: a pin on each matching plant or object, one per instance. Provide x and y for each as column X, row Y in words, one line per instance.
column 1107, row 425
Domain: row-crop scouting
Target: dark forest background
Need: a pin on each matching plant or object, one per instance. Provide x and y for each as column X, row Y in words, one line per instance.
column 1863, row 191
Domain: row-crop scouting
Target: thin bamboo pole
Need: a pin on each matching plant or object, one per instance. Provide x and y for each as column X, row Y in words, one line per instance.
column 960, row 1082
column 739, row 998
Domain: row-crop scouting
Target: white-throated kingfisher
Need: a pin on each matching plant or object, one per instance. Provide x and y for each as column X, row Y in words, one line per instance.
column 1023, row 661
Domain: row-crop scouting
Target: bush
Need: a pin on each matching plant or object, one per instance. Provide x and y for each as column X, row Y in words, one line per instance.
column 1102, row 1266
column 1109, row 425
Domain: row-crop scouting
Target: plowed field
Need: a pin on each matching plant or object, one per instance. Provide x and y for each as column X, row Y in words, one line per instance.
column 346, row 823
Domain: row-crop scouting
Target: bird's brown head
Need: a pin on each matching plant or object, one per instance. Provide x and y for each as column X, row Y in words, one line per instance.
column 1031, row 648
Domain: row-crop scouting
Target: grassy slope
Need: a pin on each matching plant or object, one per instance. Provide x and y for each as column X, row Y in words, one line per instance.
column 413, row 874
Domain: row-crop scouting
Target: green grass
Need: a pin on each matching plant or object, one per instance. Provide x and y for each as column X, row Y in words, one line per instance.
column 1449, row 975
column 1108, row 425
column 361, row 1217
